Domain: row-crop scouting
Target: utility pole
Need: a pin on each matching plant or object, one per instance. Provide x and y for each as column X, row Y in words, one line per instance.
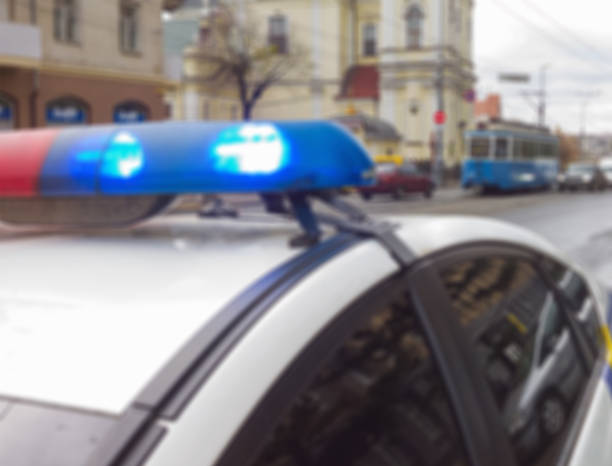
column 542, row 105
column 437, row 169
column 585, row 103
column 586, row 98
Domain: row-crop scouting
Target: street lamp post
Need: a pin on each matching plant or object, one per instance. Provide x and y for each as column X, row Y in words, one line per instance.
column 438, row 162
column 586, row 96
column 542, row 106
column 541, row 92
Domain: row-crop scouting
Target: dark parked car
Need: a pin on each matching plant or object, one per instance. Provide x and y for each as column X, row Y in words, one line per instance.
column 582, row 176
column 397, row 180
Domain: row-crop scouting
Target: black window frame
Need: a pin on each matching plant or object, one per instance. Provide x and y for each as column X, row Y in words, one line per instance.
column 370, row 45
column 278, row 33
column 593, row 365
column 129, row 26
column 414, row 18
column 484, row 444
column 66, row 21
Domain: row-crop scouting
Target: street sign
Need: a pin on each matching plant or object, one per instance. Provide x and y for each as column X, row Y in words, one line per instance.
column 439, row 117
column 6, row 115
column 130, row 113
column 66, row 112
column 515, row 77
column 469, row 95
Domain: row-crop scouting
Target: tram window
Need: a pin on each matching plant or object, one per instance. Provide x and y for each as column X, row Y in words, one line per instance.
column 480, row 147
column 518, row 152
column 501, row 148
column 529, row 149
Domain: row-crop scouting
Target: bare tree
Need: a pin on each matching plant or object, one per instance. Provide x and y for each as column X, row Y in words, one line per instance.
column 569, row 150
column 234, row 52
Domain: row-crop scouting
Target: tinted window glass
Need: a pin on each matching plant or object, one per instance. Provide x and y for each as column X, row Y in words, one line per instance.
column 501, row 148
column 409, row 169
column 378, row 400
column 528, row 355
column 479, row 147
column 579, row 301
column 386, row 169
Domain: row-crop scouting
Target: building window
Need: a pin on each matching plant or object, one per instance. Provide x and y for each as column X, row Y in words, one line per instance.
column 130, row 112
column 206, row 110
column 33, row 16
column 414, row 27
column 455, row 15
column 7, row 114
column 277, row 33
column 65, row 20
column 128, row 26
column 369, row 40
column 67, row 111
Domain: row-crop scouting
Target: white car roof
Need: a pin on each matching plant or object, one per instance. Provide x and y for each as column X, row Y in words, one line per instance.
column 425, row 234
column 87, row 319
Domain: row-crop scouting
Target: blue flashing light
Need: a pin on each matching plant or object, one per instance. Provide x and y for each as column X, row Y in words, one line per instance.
column 203, row 157
column 123, row 158
column 251, row 148
column 73, row 161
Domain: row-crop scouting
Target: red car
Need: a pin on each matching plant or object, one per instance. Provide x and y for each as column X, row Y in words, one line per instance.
column 398, row 180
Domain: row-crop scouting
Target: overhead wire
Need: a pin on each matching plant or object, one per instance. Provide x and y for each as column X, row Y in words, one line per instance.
column 552, row 38
column 560, row 26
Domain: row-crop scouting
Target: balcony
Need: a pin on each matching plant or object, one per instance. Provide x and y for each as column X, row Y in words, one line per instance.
column 19, row 43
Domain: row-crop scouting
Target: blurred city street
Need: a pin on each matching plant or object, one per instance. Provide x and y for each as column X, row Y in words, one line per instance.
column 379, row 293
column 577, row 223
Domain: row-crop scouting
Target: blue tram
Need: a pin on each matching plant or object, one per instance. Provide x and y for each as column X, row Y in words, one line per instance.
column 510, row 160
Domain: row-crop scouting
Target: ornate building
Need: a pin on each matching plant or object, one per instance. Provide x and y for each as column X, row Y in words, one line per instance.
column 72, row 62
column 385, row 59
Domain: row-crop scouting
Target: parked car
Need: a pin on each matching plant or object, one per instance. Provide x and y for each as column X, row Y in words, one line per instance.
column 398, row 180
column 582, row 176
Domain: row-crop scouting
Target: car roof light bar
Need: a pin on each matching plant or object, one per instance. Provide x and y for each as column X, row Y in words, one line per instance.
column 181, row 157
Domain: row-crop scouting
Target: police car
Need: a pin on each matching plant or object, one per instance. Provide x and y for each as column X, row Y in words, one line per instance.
column 333, row 339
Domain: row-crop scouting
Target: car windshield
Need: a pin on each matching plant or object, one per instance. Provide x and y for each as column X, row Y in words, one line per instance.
column 409, row 168
column 385, row 169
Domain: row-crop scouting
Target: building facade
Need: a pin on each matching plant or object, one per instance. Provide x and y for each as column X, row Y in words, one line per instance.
column 489, row 108
column 388, row 59
column 72, row 62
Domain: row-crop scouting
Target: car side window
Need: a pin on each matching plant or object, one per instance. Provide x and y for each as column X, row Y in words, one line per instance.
column 579, row 300
column 377, row 400
column 526, row 349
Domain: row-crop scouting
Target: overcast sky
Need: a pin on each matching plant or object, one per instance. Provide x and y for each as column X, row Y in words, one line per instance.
column 574, row 38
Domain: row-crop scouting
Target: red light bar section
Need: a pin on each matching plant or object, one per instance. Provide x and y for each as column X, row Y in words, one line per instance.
column 22, row 154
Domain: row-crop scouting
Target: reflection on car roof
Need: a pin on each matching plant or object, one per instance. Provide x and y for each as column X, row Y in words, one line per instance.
column 121, row 302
